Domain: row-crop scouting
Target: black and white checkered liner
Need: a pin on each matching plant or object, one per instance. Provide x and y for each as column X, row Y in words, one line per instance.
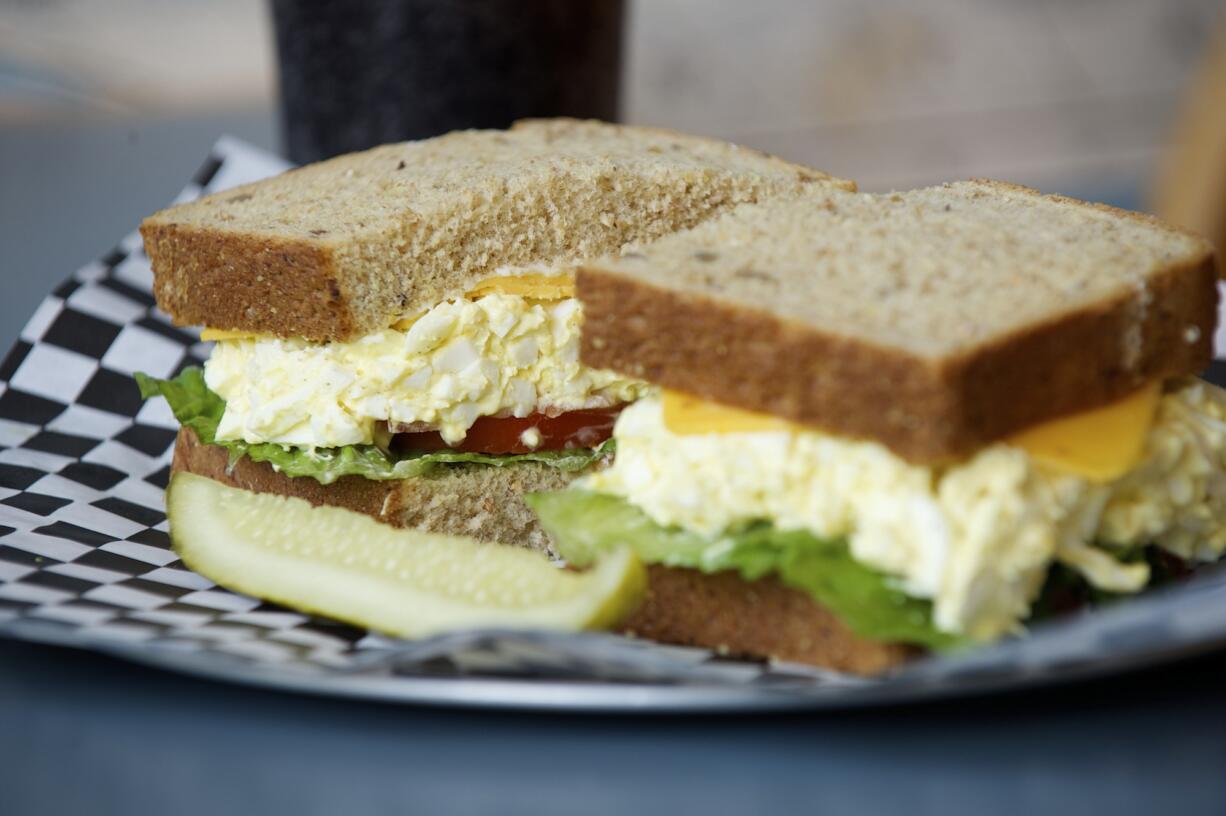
column 85, row 558
column 83, row 461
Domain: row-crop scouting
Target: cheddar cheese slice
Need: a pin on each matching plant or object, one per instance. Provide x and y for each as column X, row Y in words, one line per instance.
column 685, row 414
column 227, row 334
column 1100, row 444
column 534, row 286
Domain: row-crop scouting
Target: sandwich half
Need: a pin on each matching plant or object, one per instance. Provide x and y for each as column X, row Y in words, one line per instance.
column 396, row 330
column 886, row 423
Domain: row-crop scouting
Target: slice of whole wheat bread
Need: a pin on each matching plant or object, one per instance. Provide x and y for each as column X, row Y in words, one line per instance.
column 756, row 619
column 934, row 321
column 335, row 250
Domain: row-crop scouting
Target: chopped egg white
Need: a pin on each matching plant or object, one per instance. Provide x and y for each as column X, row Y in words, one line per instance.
column 531, row 438
column 497, row 354
column 976, row 538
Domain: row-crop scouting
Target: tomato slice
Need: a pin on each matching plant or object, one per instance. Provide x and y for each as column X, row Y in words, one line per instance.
column 585, row 428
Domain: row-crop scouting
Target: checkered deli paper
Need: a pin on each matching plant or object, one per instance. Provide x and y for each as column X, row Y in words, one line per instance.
column 85, row 559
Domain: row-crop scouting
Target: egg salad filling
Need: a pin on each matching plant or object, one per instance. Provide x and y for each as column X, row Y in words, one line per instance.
column 964, row 549
column 496, row 354
column 491, row 378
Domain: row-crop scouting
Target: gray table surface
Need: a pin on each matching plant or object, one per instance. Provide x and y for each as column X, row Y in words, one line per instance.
column 84, row 733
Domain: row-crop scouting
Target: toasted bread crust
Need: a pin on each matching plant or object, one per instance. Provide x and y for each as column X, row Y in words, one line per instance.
column 927, row 409
column 761, row 618
column 755, row 619
column 288, row 286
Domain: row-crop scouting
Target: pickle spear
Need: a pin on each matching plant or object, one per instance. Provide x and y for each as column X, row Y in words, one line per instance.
column 344, row 565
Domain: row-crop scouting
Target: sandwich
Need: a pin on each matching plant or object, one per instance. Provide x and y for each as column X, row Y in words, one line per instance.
column 888, row 424
column 395, row 331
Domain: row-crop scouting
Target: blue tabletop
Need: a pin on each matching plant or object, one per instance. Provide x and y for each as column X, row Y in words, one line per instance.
column 85, row 733
column 82, row 733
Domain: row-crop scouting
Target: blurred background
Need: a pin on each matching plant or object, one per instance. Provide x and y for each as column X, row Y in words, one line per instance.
column 107, row 108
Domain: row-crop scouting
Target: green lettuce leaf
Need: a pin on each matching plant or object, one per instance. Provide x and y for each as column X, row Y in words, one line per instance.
column 197, row 407
column 584, row 525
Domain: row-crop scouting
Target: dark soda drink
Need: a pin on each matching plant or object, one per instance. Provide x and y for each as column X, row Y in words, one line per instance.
column 356, row 73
